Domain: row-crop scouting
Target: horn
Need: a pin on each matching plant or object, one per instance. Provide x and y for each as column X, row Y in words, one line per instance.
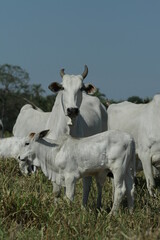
column 85, row 72
column 32, row 104
column 62, row 72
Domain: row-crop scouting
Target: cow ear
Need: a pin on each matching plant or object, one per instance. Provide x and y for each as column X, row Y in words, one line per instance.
column 55, row 87
column 40, row 135
column 43, row 133
column 90, row 89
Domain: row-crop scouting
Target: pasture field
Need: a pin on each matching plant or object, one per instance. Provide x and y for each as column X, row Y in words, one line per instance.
column 27, row 211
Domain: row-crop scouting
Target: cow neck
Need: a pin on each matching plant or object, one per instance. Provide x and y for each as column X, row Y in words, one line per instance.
column 76, row 129
column 57, row 122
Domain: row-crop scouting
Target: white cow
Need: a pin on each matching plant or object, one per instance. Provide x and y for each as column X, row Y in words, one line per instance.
column 74, row 112
column 66, row 160
column 142, row 121
column 30, row 119
column 10, row 147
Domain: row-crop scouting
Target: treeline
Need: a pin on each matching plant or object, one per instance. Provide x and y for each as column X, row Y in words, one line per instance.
column 15, row 87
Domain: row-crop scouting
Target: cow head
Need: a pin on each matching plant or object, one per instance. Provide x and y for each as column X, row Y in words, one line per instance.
column 72, row 87
column 27, row 153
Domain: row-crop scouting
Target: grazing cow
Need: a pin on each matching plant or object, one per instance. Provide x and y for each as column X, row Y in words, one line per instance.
column 10, row 147
column 142, row 121
column 66, row 160
column 30, row 119
column 1, row 129
column 74, row 112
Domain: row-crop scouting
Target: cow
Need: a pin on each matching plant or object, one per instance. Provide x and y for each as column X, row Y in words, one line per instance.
column 142, row 121
column 1, row 129
column 68, row 159
column 30, row 119
column 10, row 147
column 74, row 112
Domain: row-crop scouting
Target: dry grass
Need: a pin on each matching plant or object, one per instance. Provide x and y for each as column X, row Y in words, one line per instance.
column 27, row 211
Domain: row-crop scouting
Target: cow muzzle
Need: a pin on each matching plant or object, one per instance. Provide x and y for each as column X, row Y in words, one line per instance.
column 72, row 112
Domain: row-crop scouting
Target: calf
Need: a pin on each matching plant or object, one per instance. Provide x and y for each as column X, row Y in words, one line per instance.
column 68, row 159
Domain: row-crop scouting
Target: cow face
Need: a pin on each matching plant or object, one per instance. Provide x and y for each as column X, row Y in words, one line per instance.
column 72, row 87
column 26, row 153
column 72, row 94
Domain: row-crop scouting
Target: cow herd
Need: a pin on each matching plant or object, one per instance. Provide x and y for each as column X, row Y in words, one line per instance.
column 79, row 138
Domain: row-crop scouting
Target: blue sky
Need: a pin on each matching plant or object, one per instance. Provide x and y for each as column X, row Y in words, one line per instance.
column 119, row 40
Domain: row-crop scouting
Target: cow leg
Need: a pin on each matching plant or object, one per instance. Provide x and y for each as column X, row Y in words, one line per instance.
column 113, row 189
column 100, row 179
column 147, row 168
column 99, row 197
column 87, row 181
column 130, row 187
column 56, row 191
column 120, row 189
column 70, row 187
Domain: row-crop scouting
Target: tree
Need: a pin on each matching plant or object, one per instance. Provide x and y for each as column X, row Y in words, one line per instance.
column 14, row 89
column 138, row 100
column 101, row 97
column 37, row 90
column 13, row 85
column 13, row 79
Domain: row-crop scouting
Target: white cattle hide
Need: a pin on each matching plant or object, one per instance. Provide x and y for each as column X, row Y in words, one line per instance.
column 10, row 148
column 30, row 120
column 68, row 159
column 142, row 121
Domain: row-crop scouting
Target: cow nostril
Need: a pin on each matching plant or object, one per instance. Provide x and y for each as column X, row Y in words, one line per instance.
column 72, row 112
column 69, row 111
column 76, row 111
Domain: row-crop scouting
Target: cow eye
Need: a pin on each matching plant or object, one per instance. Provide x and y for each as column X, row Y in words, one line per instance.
column 27, row 143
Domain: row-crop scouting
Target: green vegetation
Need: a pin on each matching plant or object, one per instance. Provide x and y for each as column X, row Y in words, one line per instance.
column 14, row 88
column 27, row 211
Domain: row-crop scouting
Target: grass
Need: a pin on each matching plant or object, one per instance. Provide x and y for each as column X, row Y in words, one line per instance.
column 27, row 211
